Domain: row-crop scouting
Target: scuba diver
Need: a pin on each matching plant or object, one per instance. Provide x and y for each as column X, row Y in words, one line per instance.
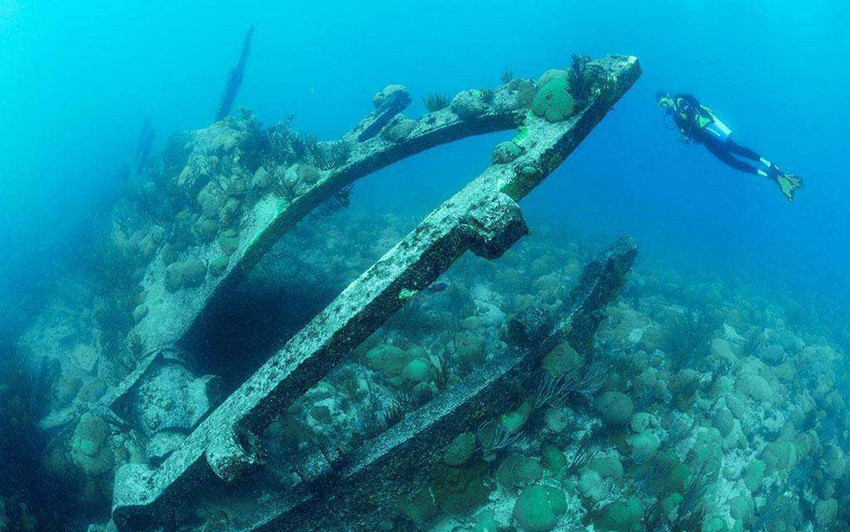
column 698, row 123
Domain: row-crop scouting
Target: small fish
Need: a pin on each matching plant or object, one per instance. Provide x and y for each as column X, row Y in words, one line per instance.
column 437, row 287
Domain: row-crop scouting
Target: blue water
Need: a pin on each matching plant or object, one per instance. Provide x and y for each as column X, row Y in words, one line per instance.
column 79, row 80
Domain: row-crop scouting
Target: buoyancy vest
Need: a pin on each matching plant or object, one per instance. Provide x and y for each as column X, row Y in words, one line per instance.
column 701, row 118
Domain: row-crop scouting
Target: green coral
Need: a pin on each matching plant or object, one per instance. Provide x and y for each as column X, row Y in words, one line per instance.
column 779, row 456
column 140, row 312
column 562, row 360
column 460, row 450
column 754, row 386
column 833, row 460
column 468, row 104
column 219, row 263
column 206, row 229
column 621, row 516
column 552, row 73
column 419, row 508
column 518, row 470
column 591, row 486
column 615, row 408
column 459, row 490
column 538, row 508
column 90, row 446
column 707, row 449
column 407, row 294
column 670, row 504
column 308, row 174
column 641, row 421
column 187, row 274
column 826, row 514
column 486, row 522
column 554, row 101
column 417, row 370
column 607, row 465
column 229, row 241
column 530, row 172
column 742, row 508
column 194, row 271
column 514, row 420
column 677, row 475
column 470, row 349
column 684, row 386
column 392, row 360
column 398, row 129
column 552, row 458
column 724, row 421
column 644, row 446
column 715, row 523
column 506, row 152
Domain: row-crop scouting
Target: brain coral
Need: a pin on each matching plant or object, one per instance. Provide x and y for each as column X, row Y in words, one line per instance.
column 554, row 101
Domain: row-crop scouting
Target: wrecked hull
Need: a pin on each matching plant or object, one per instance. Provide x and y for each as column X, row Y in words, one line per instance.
column 483, row 217
column 182, row 269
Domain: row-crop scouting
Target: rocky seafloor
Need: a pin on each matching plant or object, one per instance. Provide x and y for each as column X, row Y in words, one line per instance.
column 710, row 409
column 704, row 404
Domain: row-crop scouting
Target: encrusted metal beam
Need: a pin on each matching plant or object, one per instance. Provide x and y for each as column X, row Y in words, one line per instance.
column 172, row 314
column 483, row 217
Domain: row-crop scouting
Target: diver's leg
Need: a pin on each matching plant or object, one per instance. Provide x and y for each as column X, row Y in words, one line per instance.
column 743, row 151
column 721, row 152
column 770, row 169
column 788, row 184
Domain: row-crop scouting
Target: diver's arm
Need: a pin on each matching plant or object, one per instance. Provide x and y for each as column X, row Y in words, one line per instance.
column 683, row 126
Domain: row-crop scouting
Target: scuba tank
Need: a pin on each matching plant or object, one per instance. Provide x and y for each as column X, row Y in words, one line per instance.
column 702, row 118
column 717, row 128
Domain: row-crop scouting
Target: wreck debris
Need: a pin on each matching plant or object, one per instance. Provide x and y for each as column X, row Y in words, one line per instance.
column 235, row 78
column 183, row 269
column 388, row 104
column 483, row 218
column 396, row 455
column 144, row 147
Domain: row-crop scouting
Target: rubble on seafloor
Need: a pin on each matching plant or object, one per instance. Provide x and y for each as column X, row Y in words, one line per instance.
column 490, row 404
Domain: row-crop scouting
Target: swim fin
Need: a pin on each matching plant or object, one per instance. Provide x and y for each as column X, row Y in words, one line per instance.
column 788, row 184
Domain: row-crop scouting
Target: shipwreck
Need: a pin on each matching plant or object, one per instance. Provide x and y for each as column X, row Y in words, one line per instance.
column 235, row 189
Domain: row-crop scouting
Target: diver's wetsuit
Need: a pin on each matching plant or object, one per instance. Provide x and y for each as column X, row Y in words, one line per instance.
column 725, row 150
column 698, row 123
